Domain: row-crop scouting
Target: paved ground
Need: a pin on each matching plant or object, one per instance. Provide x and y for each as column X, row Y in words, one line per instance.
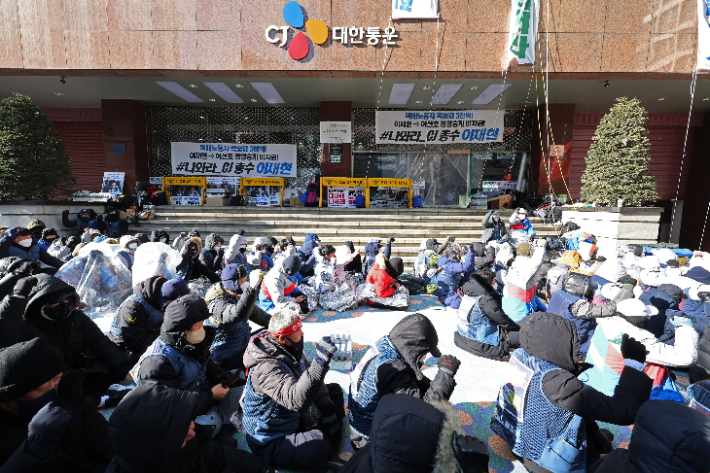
column 478, row 379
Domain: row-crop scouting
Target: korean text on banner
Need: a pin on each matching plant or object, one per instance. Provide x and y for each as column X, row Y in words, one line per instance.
column 524, row 16
column 412, row 9
column 703, row 35
column 344, row 196
column 229, row 159
column 442, row 127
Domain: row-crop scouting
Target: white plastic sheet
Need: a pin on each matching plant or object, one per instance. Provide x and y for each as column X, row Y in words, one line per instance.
column 100, row 276
column 154, row 259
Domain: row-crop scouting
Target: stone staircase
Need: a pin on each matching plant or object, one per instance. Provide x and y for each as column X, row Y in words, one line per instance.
column 333, row 226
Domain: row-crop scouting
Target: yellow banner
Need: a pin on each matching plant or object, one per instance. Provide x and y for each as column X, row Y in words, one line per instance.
column 262, row 181
column 342, row 182
column 383, row 182
column 183, row 181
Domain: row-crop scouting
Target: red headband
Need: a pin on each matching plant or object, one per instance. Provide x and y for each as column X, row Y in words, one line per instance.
column 291, row 329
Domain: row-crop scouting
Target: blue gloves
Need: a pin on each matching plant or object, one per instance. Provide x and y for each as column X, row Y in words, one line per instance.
column 46, row 430
column 325, row 349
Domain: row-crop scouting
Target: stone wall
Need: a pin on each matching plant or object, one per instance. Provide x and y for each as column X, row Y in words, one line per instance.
column 19, row 215
column 615, row 227
column 204, row 36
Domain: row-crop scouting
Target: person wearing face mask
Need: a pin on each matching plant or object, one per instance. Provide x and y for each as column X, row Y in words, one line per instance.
column 494, row 228
column 49, row 235
column 257, row 257
column 46, row 307
column 212, row 254
column 154, row 429
column 159, row 236
column 46, row 423
column 180, row 358
column 115, row 221
column 137, row 321
column 521, row 230
column 191, row 268
column 18, row 242
column 232, row 303
column 292, row 419
column 279, row 290
column 393, row 366
column 305, row 254
column 62, row 247
column 36, row 227
column 236, row 250
column 86, row 218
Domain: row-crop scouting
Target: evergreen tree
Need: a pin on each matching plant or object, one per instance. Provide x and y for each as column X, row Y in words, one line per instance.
column 617, row 161
column 32, row 160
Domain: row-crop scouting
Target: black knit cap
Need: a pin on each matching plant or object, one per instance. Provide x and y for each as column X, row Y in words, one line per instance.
column 26, row 366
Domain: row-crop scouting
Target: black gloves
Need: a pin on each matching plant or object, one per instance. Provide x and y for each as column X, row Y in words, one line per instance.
column 24, row 286
column 449, row 364
column 450, row 239
column 231, row 380
column 46, row 430
column 66, row 212
column 632, row 349
column 390, row 240
column 471, row 453
column 469, row 248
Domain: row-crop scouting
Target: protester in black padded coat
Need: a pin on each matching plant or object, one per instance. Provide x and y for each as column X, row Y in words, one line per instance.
column 12, row 269
column 60, row 431
column 490, row 304
column 485, row 255
column 191, row 267
column 28, row 314
column 355, row 266
column 212, row 254
column 153, row 430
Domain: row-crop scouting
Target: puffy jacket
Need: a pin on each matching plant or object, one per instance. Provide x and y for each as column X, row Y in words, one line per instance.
column 448, row 280
column 149, row 426
column 481, row 320
column 279, row 388
column 83, row 445
column 371, row 251
column 667, row 438
column 560, row 304
column 233, row 254
column 557, row 404
column 230, row 315
column 485, row 256
column 77, row 337
column 520, row 292
column 524, row 226
column 392, row 366
column 489, row 229
column 13, row 269
column 277, row 290
column 137, row 321
column 211, row 257
column 94, row 221
column 305, row 253
column 324, row 271
column 8, row 248
column 173, row 361
column 190, row 269
column 381, row 280
column 661, row 301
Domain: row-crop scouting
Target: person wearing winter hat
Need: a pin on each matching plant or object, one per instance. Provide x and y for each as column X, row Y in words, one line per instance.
column 191, row 268
column 494, row 228
column 85, row 219
column 667, row 438
column 372, row 249
column 520, row 227
column 213, row 253
column 355, row 266
column 159, row 236
column 393, row 366
column 278, row 290
column 46, row 424
column 232, row 303
column 385, row 291
column 115, row 221
column 48, row 237
column 236, row 250
column 409, row 435
column 36, row 227
column 46, row 307
column 556, row 430
column 257, row 257
column 520, row 294
column 180, row 358
column 20, row 243
column 137, row 321
column 282, row 391
column 452, row 271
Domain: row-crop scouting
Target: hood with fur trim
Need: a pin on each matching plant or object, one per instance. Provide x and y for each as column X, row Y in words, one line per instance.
column 412, row 436
column 234, row 244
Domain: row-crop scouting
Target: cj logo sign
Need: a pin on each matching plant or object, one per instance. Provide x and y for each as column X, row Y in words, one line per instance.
column 293, row 15
column 318, row 33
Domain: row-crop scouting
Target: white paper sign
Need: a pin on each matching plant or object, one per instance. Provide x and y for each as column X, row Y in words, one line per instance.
column 441, row 127
column 230, row 159
column 703, row 35
column 156, row 181
column 335, row 132
column 113, row 182
column 524, row 15
column 411, row 9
